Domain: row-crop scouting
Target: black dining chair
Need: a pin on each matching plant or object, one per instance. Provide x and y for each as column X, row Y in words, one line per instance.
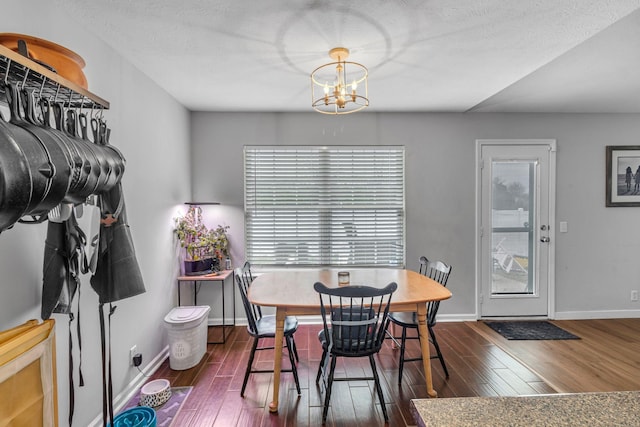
column 260, row 327
column 438, row 271
column 355, row 319
column 248, row 277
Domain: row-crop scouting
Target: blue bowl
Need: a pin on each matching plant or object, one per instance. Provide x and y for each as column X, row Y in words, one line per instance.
column 138, row 416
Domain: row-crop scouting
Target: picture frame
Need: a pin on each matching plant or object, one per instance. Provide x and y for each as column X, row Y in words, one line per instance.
column 622, row 175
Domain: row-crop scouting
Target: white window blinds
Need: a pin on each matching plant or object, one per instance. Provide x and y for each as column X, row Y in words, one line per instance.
column 325, row 206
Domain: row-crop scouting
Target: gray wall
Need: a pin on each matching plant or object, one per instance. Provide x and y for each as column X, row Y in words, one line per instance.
column 595, row 261
column 596, row 266
column 152, row 131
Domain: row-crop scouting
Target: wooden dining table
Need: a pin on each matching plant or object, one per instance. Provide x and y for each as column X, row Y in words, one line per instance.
column 291, row 293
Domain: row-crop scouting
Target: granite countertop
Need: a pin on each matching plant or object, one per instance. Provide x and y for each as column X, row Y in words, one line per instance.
column 572, row 409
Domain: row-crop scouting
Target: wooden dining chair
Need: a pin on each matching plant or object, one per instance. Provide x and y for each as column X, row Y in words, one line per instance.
column 355, row 320
column 260, row 327
column 438, row 271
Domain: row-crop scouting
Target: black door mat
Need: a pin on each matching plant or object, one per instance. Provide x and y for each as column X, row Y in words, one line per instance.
column 530, row 330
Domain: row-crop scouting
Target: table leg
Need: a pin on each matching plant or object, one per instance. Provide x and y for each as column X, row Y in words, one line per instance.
column 233, row 295
column 277, row 363
column 224, row 317
column 424, row 346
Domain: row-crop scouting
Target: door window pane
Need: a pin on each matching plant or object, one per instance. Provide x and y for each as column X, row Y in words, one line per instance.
column 512, row 207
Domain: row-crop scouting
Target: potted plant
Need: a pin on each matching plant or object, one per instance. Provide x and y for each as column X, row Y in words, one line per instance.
column 204, row 248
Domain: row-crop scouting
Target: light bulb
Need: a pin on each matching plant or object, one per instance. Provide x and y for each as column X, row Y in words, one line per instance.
column 354, row 85
column 326, row 88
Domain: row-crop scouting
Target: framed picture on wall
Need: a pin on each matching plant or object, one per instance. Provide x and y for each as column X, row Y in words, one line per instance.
column 623, row 175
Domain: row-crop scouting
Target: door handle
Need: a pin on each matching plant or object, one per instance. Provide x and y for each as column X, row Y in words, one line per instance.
column 545, row 239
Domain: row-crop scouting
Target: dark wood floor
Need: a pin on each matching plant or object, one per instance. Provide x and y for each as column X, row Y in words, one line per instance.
column 478, row 367
column 481, row 363
column 605, row 358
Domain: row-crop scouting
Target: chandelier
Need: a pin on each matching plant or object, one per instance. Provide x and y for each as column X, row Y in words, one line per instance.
column 339, row 87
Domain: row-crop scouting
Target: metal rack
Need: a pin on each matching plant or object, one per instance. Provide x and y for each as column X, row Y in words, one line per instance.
column 33, row 76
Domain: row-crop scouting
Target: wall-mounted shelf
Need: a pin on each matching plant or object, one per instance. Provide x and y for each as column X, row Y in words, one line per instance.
column 17, row 68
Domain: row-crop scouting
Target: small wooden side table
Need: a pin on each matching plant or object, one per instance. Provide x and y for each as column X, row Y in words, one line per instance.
column 221, row 277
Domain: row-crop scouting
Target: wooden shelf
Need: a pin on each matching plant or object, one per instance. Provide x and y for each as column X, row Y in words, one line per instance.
column 17, row 68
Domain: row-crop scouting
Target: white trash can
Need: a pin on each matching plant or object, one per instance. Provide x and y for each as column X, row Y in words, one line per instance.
column 187, row 329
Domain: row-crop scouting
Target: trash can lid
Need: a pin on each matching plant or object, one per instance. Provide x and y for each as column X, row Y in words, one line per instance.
column 186, row 314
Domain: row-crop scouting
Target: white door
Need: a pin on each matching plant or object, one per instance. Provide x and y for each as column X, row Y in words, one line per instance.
column 515, row 216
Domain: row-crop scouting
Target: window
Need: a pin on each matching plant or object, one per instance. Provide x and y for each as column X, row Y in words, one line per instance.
column 324, row 206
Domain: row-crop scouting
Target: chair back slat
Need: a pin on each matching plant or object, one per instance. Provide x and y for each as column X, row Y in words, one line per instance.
column 249, row 309
column 248, row 279
column 354, row 318
column 440, row 272
column 246, row 272
column 424, row 261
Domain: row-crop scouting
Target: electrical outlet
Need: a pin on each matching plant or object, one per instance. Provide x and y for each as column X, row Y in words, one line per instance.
column 137, row 360
column 132, row 352
column 634, row 296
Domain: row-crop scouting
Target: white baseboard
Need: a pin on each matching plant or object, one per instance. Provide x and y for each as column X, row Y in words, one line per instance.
column 561, row 315
column 212, row 321
column 471, row 317
column 457, row 317
column 131, row 389
column 603, row 314
column 310, row 320
column 302, row 320
column 317, row 320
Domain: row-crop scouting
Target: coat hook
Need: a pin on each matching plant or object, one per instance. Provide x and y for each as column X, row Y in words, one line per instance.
column 44, row 81
column 6, row 75
column 70, row 99
column 24, row 81
column 55, row 99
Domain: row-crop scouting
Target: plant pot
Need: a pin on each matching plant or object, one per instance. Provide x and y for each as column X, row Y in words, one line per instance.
column 201, row 266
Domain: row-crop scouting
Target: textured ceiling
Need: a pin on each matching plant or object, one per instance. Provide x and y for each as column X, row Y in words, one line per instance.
column 422, row 55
